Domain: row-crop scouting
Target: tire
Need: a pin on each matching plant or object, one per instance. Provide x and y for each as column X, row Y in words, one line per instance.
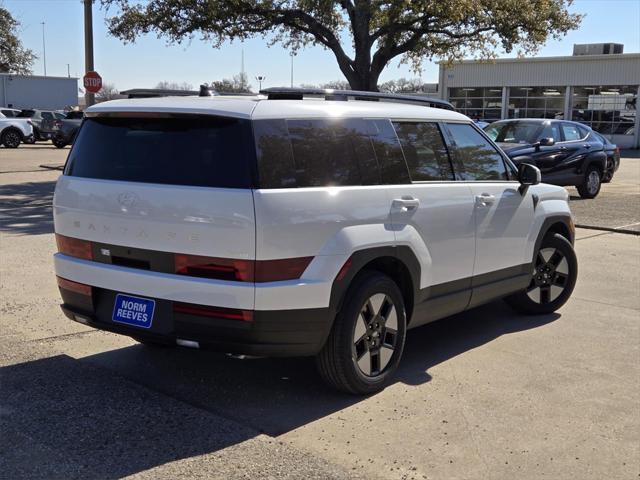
column 364, row 349
column 59, row 143
column 555, row 272
column 11, row 138
column 590, row 187
column 608, row 172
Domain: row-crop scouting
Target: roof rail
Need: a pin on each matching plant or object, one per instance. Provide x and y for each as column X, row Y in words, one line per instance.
column 286, row 93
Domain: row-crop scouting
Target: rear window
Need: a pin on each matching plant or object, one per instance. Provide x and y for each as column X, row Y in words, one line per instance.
column 201, row 151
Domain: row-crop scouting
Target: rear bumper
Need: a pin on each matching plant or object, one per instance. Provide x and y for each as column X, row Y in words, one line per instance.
column 274, row 333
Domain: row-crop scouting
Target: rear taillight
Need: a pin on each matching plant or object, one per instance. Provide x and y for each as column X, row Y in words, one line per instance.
column 74, row 247
column 241, row 270
column 215, row 312
column 57, row 124
column 617, row 150
column 217, row 268
column 76, row 287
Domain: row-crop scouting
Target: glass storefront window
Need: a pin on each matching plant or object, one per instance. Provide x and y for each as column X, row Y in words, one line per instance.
column 482, row 103
column 610, row 110
column 536, row 102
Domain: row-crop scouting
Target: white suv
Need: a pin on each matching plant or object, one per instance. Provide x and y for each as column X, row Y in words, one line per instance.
column 286, row 226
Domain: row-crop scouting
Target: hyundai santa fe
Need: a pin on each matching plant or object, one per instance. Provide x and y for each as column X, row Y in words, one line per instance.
column 283, row 225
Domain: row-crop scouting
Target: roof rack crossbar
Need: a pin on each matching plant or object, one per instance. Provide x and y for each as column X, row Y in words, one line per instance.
column 287, row 93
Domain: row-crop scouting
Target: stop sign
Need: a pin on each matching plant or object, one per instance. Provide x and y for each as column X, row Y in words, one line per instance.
column 92, row 82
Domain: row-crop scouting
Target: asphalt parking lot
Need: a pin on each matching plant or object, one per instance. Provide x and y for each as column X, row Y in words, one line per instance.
column 486, row 394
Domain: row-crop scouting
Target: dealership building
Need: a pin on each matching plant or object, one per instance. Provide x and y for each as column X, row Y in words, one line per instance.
column 598, row 85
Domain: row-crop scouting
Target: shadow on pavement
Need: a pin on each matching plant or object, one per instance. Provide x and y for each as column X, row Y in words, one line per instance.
column 101, row 425
column 26, row 208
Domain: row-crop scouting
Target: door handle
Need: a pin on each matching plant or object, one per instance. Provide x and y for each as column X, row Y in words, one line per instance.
column 587, row 145
column 485, row 200
column 405, row 204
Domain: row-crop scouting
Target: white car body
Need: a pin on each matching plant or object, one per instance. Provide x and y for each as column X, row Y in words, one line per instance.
column 20, row 126
column 469, row 240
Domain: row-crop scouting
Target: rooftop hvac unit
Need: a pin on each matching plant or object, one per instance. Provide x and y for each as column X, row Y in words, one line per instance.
column 597, row 48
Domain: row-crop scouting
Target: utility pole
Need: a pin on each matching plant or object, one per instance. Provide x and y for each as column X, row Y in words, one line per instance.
column 44, row 51
column 89, row 98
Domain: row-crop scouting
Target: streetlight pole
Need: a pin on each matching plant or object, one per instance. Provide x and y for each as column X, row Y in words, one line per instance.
column 292, row 55
column 68, row 71
column 89, row 98
column 44, row 51
column 260, row 79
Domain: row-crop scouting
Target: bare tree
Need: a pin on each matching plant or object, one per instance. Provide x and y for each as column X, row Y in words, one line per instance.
column 165, row 85
column 107, row 92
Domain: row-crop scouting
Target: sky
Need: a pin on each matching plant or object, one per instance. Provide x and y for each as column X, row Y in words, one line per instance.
column 150, row 60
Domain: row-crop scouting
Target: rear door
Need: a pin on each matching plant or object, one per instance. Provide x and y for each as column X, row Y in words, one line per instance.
column 147, row 188
column 434, row 214
column 503, row 215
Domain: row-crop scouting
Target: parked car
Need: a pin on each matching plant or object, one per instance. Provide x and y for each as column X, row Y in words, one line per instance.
column 567, row 153
column 8, row 112
column 42, row 122
column 613, row 157
column 65, row 130
column 283, row 226
column 14, row 131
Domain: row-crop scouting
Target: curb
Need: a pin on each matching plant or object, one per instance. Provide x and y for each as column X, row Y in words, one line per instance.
column 610, row 229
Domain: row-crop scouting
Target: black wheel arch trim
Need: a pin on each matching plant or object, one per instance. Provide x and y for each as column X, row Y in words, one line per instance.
column 546, row 227
column 359, row 259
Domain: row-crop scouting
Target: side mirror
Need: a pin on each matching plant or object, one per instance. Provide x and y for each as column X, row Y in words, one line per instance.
column 528, row 175
column 543, row 142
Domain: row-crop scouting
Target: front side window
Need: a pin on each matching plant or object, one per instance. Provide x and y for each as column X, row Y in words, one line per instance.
column 475, row 158
column 424, row 151
column 551, row 131
column 571, row 132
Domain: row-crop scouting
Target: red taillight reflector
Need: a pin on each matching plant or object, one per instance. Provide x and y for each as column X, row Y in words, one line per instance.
column 76, row 287
column 345, row 268
column 282, row 269
column 217, row 312
column 218, row 268
column 74, row 247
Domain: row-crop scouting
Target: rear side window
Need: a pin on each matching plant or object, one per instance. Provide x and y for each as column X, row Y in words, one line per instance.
column 330, row 152
column 571, row 132
column 313, row 153
column 475, row 158
column 194, row 150
column 393, row 169
column 424, row 151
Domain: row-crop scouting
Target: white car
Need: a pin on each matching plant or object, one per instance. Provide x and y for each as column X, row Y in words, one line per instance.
column 14, row 131
column 289, row 226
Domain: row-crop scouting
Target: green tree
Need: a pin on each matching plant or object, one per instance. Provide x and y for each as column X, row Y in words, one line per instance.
column 364, row 35
column 14, row 58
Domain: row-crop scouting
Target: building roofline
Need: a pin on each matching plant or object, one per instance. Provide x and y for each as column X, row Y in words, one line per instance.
column 576, row 58
column 36, row 76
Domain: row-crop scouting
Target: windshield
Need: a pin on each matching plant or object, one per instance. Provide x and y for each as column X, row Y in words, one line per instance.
column 513, row 132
